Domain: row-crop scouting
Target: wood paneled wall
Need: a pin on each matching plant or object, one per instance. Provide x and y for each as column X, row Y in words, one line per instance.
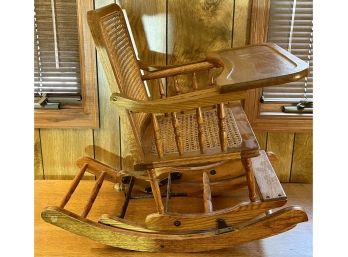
column 165, row 32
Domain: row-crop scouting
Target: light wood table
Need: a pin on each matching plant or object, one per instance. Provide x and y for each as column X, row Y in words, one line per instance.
column 53, row 241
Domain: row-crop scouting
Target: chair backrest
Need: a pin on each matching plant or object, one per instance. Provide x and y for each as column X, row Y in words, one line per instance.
column 113, row 42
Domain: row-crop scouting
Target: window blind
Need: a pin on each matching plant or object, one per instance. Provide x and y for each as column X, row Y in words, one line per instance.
column 291, row 27
column 56, row 53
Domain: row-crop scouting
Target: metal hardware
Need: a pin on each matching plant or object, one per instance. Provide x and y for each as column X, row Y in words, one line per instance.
column 47, row 106
column 222, row 227
column 177, row 223
column 127, row 198
column 212, row 172
column 172, row 194
column 126, row 179
column 168, row 196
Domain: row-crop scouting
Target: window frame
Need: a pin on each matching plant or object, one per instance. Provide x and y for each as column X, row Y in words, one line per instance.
column 86, row 115
column 258, row 34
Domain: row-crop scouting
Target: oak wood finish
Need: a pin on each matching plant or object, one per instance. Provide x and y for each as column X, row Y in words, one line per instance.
column 93, row 195
column 38, row 167
column 258, row 34
column 263, row 226
column 302, row 160
column 123, row 223
column 222, row 126
column 189, row 24
column 256, row 66
column 106, row 138
column 188, row 101
column 281, row 144
column 241, row 25
column 241, row 212
column 208, row 205
column 87, row 115
column 267, row 181
column 156, row 191
column 73, row 186
column 296, row 242
column 249, row 172
column 61, row 148
column 117, row 55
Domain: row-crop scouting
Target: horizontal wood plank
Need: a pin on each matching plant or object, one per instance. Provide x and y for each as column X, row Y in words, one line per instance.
column 266, row 179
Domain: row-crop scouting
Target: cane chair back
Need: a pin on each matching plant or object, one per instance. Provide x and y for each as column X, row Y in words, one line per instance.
column 110, row 33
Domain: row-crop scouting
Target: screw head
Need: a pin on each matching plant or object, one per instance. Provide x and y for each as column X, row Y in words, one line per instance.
column 177, row 223
column 212, row 172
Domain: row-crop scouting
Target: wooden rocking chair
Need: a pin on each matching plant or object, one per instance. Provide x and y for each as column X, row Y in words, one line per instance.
column 203, row 133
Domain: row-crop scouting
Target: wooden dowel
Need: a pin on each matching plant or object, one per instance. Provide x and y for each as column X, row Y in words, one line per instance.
column 199, row 117
column 158, row 138
column 211, row 77
column 201, row 135
column 250, row 178
column 176, row 86
column 161, row 89
column 94, row 194
column 222, row 126
column 194, row 81
column 208, row 206
column 168, row 195
column 156, row 191
column 177, row 133
column 73, row 186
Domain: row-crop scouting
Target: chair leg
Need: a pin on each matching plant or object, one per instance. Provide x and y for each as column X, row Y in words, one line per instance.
column 156, row 191
column 250, row 178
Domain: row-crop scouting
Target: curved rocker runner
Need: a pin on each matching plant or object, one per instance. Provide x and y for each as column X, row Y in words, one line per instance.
column 200, row 142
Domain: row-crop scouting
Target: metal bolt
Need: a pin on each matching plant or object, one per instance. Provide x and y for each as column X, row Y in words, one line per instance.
column 177, row 223
column 126, row 179
column 212, row 172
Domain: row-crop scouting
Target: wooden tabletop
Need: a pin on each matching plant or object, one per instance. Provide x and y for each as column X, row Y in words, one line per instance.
column 53, row 241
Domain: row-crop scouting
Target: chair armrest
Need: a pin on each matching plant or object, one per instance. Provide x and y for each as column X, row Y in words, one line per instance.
column 183, row 102
column 153, row 67
column 186, row 68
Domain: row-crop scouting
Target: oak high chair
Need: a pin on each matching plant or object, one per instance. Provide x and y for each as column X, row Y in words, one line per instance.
column 203, row 133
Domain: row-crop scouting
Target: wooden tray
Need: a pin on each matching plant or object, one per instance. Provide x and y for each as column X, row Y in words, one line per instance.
column 256, row 66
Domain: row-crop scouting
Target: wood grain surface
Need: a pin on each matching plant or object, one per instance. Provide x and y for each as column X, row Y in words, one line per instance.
column 226, row 31
column 107, row 137
column 52, row 241
column 61, row 148
column 281, row 144
column 241, row 23
column 38, row 168
column 302, row 162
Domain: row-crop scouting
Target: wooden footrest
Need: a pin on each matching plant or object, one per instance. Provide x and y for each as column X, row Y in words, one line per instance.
column 266, row 179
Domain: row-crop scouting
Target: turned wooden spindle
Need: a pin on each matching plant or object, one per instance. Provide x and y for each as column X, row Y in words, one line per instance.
column 156, row 191
column 222, row 126
column 177, row 133
column 176, row 86
column 94, row 194
column 161, row 89
column 211, row 77
column 158, row 138
column 208, row 205
column 250, row 178
column 73, row 186
column 199, row 117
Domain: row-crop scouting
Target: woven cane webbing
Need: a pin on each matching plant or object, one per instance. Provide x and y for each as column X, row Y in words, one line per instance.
column 189, row 132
